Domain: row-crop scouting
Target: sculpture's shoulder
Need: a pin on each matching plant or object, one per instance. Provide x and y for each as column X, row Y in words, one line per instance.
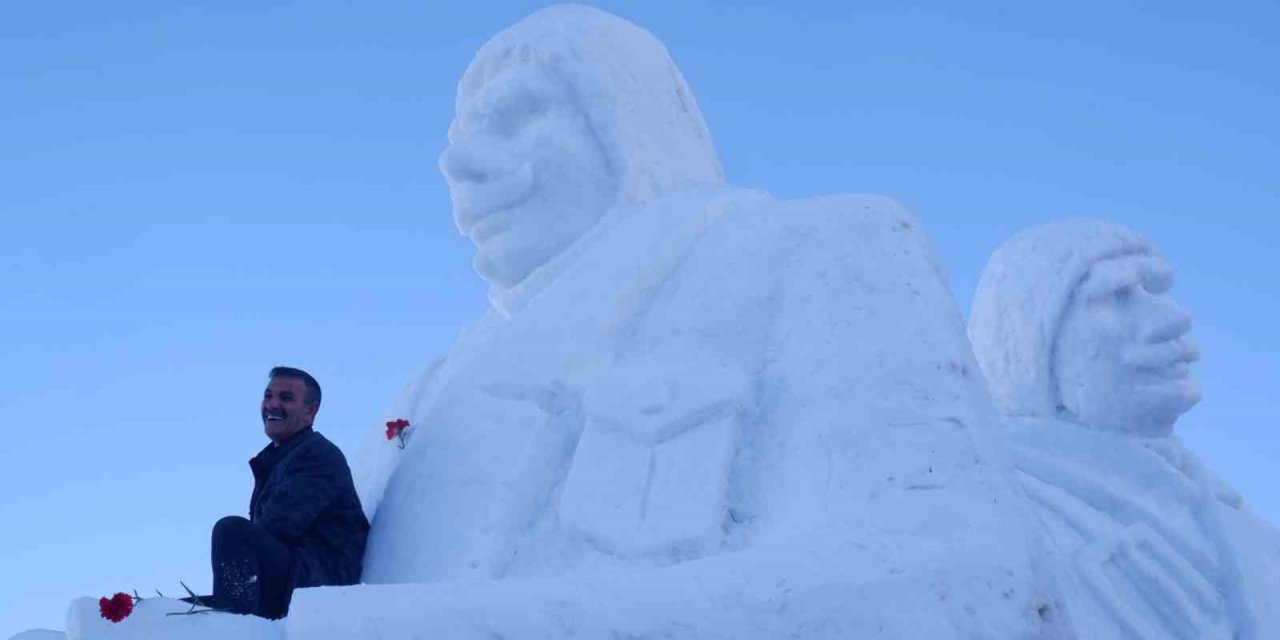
column 836, row 219
column 751, row 221
column 848, row 211
column 871, row 234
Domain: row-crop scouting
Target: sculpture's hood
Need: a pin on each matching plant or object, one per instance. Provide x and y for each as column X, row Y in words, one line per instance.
column 625, row 82
column 1021, row 299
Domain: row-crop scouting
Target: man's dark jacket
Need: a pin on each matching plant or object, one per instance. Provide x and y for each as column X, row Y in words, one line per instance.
column 304, row 497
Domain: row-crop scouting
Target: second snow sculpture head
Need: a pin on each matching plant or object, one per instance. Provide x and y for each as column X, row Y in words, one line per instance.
column 1073, row 320
column 560, row 119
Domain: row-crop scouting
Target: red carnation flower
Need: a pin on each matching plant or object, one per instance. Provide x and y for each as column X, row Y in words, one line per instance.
column 117, row 608
column 395, row 428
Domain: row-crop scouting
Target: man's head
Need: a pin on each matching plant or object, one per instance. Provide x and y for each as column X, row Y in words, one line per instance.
column 289, row 403
column 1073, row 319
column 560, row 118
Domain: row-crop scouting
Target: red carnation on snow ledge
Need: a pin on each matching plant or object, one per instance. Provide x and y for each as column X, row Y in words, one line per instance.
column 396, row 429
column 117, row 607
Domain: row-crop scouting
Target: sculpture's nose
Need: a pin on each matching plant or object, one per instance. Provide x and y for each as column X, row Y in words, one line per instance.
column 1166, row 320
column 474, row 161
column 456, row 168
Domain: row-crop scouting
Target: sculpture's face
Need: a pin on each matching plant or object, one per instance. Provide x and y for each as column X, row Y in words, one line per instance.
column 1121, row 356
column 527, row 174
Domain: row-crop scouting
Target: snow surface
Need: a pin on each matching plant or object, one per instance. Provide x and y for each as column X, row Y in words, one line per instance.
column 1084, row 349
column 695, row 411
column 41, row 634
column 150, row 622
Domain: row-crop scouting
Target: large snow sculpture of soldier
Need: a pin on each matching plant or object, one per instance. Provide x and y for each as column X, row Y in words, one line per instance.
column 691, row 410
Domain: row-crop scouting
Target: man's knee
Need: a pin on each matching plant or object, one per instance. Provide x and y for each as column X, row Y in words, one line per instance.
column 231, row 526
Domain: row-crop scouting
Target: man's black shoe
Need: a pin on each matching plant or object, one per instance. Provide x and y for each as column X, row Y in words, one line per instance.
column 205, row 601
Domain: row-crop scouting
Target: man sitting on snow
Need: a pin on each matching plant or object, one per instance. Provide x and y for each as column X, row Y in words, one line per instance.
column 306, row 527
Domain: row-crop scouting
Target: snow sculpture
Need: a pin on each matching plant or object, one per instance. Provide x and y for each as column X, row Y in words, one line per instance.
column 1088, row 357
column 691, row 409
column 552, row 133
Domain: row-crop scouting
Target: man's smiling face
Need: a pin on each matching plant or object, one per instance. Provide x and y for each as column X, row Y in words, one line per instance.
column 286, row 408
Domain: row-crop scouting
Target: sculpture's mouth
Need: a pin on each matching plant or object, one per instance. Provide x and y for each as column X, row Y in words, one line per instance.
column 475, row 203
column 1177, row 370
column 1170, row 359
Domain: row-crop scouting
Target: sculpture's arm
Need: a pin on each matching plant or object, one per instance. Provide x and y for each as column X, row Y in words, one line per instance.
column 886, row 432
column 884, row 410
column 377, row 459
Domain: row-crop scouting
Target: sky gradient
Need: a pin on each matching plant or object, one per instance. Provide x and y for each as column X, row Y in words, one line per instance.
column 196, row 192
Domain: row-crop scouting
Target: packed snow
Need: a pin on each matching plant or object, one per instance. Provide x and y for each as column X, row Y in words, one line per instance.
column 697, row 411
column 685, row 384
column 1089, row 357
column 160, row 619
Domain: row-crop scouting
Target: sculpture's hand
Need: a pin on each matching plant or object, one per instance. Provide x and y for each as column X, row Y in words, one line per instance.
column 1148, row 588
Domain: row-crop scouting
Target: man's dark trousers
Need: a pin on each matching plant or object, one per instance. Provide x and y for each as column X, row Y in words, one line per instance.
column 252, row 571
column 306, row 529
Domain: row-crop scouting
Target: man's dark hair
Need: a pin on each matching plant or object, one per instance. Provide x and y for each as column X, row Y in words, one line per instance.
column 313, row 387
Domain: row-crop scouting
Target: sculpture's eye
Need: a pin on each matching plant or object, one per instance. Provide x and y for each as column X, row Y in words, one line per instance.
column 511, row 115
column 506, row 121
column 1124, row 295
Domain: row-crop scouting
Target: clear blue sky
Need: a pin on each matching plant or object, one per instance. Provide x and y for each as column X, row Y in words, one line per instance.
column 194, row 192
